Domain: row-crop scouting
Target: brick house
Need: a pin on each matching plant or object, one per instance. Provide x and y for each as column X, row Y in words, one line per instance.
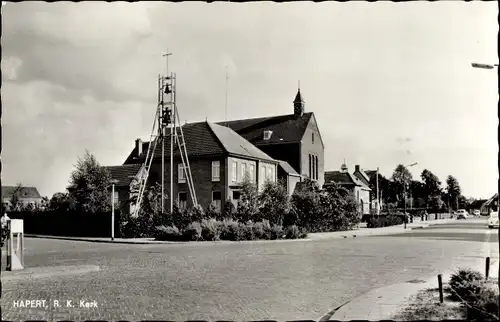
column 293, row 138
column 355, row 182
column 490, row 205
column 219, row 159
column 25, row 195
column 124, row 175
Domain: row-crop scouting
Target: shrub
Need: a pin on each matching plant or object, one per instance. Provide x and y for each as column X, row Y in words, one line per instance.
column 393, row 220
column 192, row 232
column 5, row 233
column 181, row 217
column 213, row 211
column 230, row 230
column 247, row 231
column 293, row 232
column 276, row 232
column 465, row 285
column 274, row 202
column 210, row 229
column 197, row 214
column 485, row 305
column 229, row 211
column 260, row 232
column 170, row 233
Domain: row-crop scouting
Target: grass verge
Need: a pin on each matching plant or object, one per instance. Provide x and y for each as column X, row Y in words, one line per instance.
column 425, row 306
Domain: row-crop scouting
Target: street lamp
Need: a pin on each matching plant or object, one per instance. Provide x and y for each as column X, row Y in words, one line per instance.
column 404, row 192
column 484, row 66
column 113, row 182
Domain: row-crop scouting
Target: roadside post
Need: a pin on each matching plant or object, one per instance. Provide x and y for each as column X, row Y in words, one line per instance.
column 15, row 257
column 440, row 285
column 487, row 273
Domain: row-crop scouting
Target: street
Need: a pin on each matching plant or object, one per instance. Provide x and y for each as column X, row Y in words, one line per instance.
column 240, row 281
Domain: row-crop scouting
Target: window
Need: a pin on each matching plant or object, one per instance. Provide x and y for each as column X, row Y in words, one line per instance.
column 252, row 172
column 243, row 170
column 262, row 174
column 310, row 167
column 313, row 169
column 236, row 195
column 316, row 167
column 115, row 198
column 357, row 195
column 235, row 171
column 273, row 178
column 182, row 174
column 215, row 170
column 269, row 174
column 216, row 199
column 182, row 200
column 312, row 137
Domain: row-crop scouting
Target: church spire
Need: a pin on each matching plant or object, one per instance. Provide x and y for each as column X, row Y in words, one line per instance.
column 298, row 103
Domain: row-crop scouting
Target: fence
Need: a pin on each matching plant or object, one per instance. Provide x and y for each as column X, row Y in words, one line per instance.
column 70, row 224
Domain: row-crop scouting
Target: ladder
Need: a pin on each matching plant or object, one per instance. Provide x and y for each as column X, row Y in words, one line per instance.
column 166, row 114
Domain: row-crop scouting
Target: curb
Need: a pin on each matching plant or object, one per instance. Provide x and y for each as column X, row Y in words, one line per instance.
column 160, row 242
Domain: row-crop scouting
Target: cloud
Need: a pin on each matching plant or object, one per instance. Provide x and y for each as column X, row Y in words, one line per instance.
column 10, row 67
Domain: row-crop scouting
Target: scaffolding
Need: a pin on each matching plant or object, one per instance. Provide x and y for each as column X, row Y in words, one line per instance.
column 167, row 116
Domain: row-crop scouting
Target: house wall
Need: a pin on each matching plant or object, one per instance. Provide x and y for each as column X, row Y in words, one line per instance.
column 315, row 148
column 292, row 183
column 363, row 198
column 201, row 171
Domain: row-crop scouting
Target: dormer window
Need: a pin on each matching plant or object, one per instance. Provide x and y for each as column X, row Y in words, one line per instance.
column 267, row 134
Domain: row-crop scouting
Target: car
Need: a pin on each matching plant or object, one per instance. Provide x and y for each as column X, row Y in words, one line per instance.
column 493, row 220
column 476, row 213
column 462, row 214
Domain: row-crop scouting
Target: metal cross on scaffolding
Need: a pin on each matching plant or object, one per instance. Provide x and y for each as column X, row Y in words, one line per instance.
column 166, row 61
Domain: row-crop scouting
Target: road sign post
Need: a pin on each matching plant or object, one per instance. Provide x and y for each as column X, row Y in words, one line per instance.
column 15, row 257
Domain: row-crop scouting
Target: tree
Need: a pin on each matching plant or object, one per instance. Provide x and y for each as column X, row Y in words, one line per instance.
column 306, row 207
column 248, row 206
column 401, row 177
column 62, row 201
column 432, row 186
column 453, row 191
column 89, row 185
column 340, row 208
column 274, row 203
column 15, row 202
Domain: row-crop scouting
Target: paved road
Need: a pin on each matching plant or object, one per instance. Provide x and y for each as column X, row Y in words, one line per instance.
column 282, row 281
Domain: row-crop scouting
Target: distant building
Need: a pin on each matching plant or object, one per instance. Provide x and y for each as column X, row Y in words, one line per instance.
column 490, row 205
column 356, row 182
column 25, row 195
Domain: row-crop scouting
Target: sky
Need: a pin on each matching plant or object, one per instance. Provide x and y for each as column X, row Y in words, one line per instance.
column 389, row 83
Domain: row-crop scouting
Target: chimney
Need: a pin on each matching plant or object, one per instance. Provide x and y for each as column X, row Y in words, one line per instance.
column 138, row 147
column 356, row 168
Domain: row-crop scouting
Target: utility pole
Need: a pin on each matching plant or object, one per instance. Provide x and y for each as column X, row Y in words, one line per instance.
column 163, row 148
column 227, row 78
column 404, row 193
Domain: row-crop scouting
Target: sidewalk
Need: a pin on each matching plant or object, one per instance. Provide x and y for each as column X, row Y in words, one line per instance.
column 378, row 231
column 385, row 302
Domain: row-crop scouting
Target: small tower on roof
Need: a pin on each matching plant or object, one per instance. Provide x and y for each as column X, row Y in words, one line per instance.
column 344, row 168
column 298, row 104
